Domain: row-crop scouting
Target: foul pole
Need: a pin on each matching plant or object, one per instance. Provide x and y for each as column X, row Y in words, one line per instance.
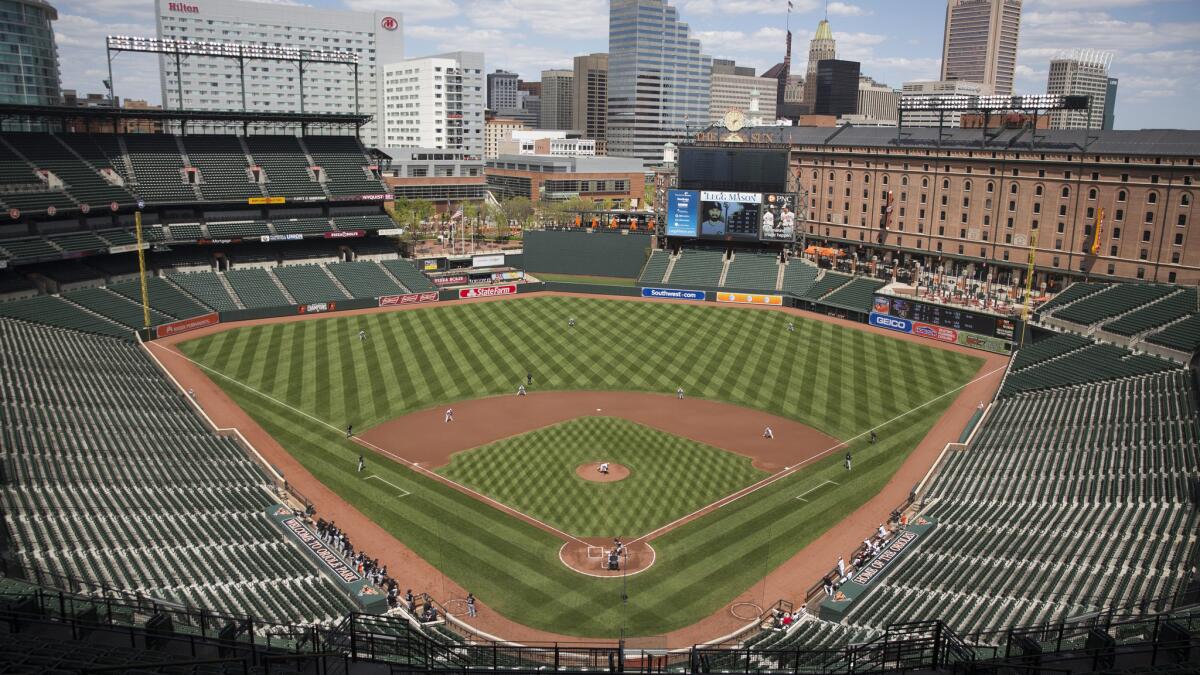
column 137, row 223
column 1028, row 284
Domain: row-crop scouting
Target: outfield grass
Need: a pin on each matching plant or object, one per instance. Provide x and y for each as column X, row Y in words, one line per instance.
column 586, row 279
column 838, row 380
column 535, row 474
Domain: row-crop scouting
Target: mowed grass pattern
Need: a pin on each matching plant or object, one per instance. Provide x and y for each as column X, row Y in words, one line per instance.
column 535, row 474
column 839, row 380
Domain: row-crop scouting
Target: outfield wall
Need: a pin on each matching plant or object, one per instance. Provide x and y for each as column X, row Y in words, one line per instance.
column 605, row 254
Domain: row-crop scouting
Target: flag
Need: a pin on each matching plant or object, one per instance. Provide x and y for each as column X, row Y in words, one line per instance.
column 789, row 5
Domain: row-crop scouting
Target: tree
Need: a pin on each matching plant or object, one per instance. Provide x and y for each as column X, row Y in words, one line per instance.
column 518, row 209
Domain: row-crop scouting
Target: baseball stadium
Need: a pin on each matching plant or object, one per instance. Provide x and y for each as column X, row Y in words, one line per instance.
column 261, row 414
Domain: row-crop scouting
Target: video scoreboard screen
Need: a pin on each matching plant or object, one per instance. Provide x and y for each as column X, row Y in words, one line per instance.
column 731, row 215
column 947, row 317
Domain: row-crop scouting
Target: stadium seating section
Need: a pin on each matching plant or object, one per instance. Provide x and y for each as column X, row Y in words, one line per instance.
column 285, row 165
column 1088, row 364
column 1183, row 335
column 308, row 283
column 255, row 288
column 753, row 271
column 799, row 276
column 1172, row 308
column 1115, row 300
column 857, row 295
column 697, row 267
column 365, row 279
column 408, row 275
column 224, row 171
column 81, row 179
column 656, row 267
column 86, row 423
column 344, row 163
column 826, row 284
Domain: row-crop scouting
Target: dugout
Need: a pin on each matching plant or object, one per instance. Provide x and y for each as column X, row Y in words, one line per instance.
column 599, row 253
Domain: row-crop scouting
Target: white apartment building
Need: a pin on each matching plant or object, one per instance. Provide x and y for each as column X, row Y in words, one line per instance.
column 275, row 86
column 733, row 87
column 547, row 142
column 877, row 102
column 435, row 102
column 930, row 118
column 1082, row 72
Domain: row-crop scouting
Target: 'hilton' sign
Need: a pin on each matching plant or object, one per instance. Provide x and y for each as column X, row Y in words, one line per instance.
column 183, row 7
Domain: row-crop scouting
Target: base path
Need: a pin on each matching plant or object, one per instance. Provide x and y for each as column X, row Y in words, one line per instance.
column 788, row 581
column 426, row 438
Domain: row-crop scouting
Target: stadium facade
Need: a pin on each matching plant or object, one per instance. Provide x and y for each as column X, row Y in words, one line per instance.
column 273, row 86
column 964, row 197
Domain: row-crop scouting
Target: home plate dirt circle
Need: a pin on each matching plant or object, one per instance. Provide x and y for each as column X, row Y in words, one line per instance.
column 590, row 556
column 591, row 471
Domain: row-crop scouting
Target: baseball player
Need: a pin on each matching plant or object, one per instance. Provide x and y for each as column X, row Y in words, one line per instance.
column 849, row 459
column 362, row 463
column 767, row 433
column 349, row 430
column 449, row 415
column 362, row 336
column 521, row 390
column 679, row 393
column 571, row 322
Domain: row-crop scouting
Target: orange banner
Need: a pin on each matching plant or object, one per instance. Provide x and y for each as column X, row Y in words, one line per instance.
column 749, row 298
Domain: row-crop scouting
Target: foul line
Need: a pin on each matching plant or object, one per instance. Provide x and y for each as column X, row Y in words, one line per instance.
column 750, row 489
column 406, row 492
column 412, row 465
column 823, row 484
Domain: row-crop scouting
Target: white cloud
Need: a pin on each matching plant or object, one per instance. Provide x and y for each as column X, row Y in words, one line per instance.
column 742, row 7
column 547, row 17
column 846, row 9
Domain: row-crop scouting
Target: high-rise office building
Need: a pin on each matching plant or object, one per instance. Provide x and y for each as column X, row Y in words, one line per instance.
column 28, row 55
column 557, row 87
column 1083, row 72
column 274, row 86
column 837, row 87
column 590, row 98
column 501, row 90
column 435, row 102
column 1110, row 105
column 658, row 79
column 734, row 86
column 822, row 47
column 980, row 43
column 877, row 101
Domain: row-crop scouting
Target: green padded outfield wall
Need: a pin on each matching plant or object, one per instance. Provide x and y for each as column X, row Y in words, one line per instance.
column 606, row 254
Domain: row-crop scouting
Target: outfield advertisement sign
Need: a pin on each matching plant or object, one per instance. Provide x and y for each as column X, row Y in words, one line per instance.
column 177, row 327
column 450, row 280
column 673, row 294
column 940, row 333
column 494, row 260
column 683, row 212
column 934, row 332
column 128, row 248
column 487, row 291
column 317, row 308
column 750, row 298
column 891, row 322
column 407, row 299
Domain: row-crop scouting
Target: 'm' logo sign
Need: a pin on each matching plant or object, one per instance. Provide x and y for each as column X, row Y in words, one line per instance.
column 389, row 23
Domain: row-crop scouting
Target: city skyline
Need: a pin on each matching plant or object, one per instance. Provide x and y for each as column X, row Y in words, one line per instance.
column 1153, row 57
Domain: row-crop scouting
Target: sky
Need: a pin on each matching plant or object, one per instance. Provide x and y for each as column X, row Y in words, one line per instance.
column 1156, row 51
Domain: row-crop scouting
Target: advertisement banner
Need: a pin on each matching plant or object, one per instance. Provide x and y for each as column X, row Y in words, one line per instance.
column 508, row 276
column 316, row 308
column 390, row 232
column 673, row 294
column 729, row 215
column 407, row 299
column 255, row 201
column 778, row 220
column 987, row 344
column 683, row 212
column 429, row 265
column 345, row 234
column 333, row 562
column 492, row 260
column 487, row 292
column 934, row 332
column 750, row 298
column 895, row 548
column 891, row 322
column 177, row 327
column 280, row 237
column 127, row 248
column 453, row 280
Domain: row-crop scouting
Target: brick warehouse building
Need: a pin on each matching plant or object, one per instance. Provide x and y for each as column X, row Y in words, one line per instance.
column 958, row 199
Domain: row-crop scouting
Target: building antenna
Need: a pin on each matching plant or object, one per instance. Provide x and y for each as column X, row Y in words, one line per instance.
column 827, row 10
column 788, row 21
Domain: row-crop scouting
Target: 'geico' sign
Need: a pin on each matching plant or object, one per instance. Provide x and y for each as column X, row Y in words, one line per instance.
column 891, row 322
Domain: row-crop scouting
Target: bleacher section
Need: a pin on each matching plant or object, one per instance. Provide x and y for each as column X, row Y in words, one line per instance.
column 54, row 311
column 364, row 279
column 1036, row 352
column 163, row 297
column 237, row 228
column 112, row 306
column 81, row 180
column 408, row 275
column 28, row 249
column 752, row 271
column 344, row 162
column 78, row 242
column 24, row 189
column 857, row 295
column 1067, row 502
column 1075, row 291
column 1158, row 314
column 86, row 424
column 799, row 276
column 255, row 288
column 375, row 222
column 828, row 283
column 1093, row 363
column 697, row 267
column 207, row 288
column 1113, row 301
column 285, row 165
column 302, row 225
column 308, row 283
column 223, row 168
column 158, row 169
column 1183, row 336
column 656, row 267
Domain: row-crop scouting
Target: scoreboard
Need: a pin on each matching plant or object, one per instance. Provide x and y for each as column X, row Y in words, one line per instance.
column 946, row 317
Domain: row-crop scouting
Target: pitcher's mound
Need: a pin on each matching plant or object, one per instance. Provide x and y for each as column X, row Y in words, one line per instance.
column 591, row 471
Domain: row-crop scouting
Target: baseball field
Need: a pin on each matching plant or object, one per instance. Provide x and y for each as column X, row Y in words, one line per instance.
column 501, row 533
